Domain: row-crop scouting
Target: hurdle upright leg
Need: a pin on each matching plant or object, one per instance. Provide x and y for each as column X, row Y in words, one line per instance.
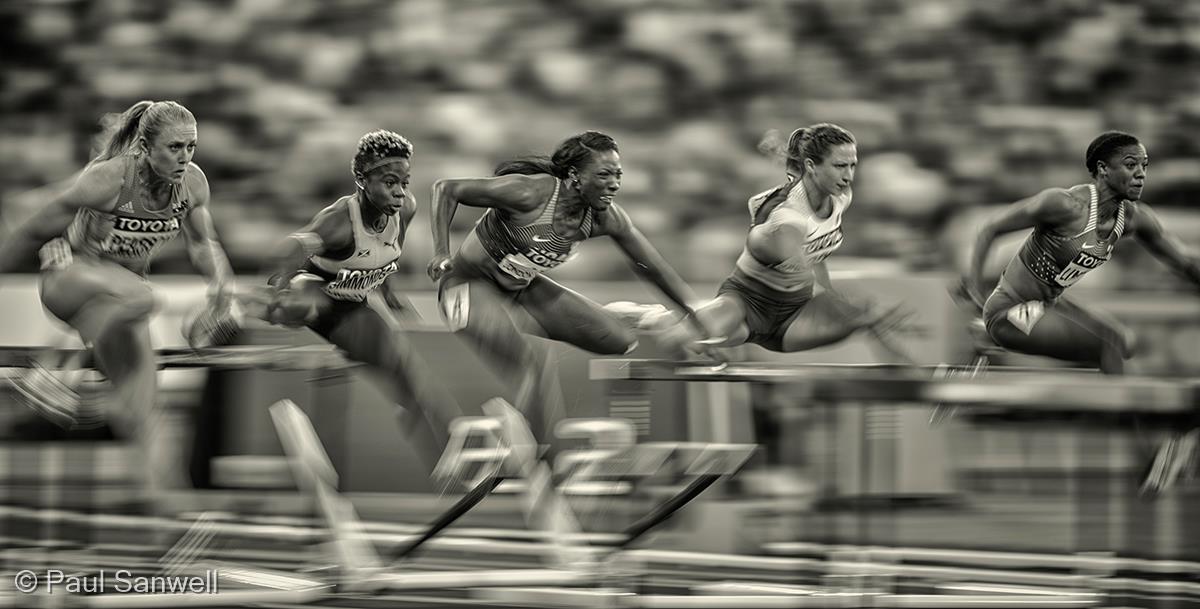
column 544, row 507
column 315, row 474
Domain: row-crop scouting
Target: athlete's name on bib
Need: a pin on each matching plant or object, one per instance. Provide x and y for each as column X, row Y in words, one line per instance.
column 132, row 246
column 361, row 280
column 1078, row 267
column 527, row 265
column 830, row 239
column 143, row 225
column 546, row 259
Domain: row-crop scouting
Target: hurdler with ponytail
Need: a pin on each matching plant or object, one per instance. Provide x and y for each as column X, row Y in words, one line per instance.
column 145, row 119
column 495, row 287
column 769, row 299
column 96, row 241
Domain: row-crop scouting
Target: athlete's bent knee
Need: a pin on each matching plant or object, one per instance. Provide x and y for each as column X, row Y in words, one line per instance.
column 618, row 343
column 1004, row 335
column 140, row 303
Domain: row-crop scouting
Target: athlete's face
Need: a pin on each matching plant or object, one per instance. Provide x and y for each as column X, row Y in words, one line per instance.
column 836, row 173
column 600, row 179
column 387, row 186
column 1125, row 171
column 171, row 151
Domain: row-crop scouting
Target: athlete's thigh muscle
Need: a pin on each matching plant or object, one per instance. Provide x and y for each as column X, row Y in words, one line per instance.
column 65, row 292
column 566, row 315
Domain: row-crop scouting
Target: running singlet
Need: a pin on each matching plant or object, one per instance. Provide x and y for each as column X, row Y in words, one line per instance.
column 373, row 259
column 523, row 252
column 133, row 231
column 1048, row 262
column 824, row 237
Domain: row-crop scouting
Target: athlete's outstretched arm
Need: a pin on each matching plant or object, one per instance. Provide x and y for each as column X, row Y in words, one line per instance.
column 204, row 250
column 329, row 231
column 821, row 275
column 1163, row 245
column 515, row 192
column 1049, row 207
column 98, row 185
column 858, row 313
column 647, row 262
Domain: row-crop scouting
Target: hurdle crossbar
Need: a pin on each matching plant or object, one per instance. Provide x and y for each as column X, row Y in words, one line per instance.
column 1048, row 390
column 290, row 357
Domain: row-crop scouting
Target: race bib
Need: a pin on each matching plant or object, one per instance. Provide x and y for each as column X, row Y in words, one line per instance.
column 520, row 267
column 355, row 284
column 1077, row 268
column 139, row 238
column 1026, row 315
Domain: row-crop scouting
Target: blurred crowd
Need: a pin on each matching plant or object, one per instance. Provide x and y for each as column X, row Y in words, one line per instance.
column 956, row 104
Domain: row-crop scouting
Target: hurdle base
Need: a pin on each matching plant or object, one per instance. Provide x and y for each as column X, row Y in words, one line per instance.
column 556, row 597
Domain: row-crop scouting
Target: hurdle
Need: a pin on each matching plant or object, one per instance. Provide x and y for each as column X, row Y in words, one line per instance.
column 1019, row 388
column 971, row 387
column 352, row 548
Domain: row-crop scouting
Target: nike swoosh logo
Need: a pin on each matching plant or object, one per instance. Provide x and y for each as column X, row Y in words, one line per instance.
column 543, row 239
column 1088, row 246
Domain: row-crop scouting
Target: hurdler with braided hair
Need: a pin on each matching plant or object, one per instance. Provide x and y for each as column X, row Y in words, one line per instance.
column 332, row 277
column 96, row 241
column 495, row 287
column 769, row 299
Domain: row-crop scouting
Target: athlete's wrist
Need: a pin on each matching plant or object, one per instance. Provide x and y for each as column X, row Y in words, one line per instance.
column 219, row 289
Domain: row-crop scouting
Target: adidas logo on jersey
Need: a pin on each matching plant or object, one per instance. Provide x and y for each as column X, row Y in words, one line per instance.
column 127, row 207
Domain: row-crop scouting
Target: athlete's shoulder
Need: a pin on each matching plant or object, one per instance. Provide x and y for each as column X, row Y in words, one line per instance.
column 333, row 224
column 1077, row 195
column 846, row 198
column 105, row 173
column 100, row 182
column 528, row 191
column 613, row 220
column 338, row 210
column 1057, row 204
column 194, row 175
column 510, row 192
column 763, row 203
column 759, row 198
column 196, row 183
column 1138, row 214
